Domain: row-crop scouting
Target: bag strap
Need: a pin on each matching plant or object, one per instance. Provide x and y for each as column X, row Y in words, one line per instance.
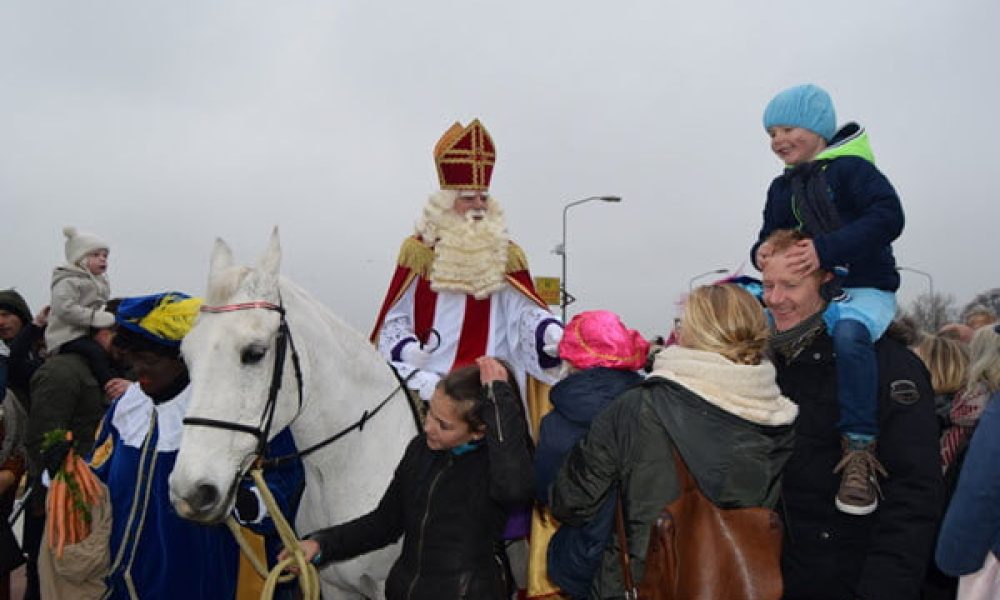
column 685, row 483
column 631, row 593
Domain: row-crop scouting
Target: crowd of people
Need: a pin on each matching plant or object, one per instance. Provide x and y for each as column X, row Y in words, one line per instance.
column 796, row 398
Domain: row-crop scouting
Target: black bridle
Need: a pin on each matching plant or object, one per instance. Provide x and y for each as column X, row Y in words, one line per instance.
column 284, row 341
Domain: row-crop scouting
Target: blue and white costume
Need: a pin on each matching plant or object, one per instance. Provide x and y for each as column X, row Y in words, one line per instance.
column 154, row 552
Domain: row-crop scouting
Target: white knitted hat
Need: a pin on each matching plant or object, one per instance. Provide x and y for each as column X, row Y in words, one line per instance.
column 80, row 244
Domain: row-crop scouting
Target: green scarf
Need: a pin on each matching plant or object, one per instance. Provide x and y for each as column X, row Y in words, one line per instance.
column 790, row 343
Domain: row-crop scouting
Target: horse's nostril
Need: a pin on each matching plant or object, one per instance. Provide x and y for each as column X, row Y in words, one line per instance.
column 205, row 496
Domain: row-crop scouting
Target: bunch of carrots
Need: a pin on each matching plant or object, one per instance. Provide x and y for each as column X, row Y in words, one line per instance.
column 73, row 490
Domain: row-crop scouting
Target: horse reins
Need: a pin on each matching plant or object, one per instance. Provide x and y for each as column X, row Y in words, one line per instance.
column 358, row 425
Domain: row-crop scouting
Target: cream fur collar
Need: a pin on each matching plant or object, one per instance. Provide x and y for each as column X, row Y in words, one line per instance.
column 747, row 391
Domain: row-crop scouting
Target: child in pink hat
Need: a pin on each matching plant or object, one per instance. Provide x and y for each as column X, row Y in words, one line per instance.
column 598, row 338
column 603, row 356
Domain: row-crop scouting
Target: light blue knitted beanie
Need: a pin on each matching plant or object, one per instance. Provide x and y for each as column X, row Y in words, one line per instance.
column 807, row 106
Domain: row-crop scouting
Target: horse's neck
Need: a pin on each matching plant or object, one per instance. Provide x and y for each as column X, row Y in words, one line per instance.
column 344, row 377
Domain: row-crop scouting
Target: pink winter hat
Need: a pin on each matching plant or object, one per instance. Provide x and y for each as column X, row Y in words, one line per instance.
column 598, row 338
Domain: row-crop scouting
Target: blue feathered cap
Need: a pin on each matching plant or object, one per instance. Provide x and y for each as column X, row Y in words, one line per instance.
column 162, row 318
column 807, row 106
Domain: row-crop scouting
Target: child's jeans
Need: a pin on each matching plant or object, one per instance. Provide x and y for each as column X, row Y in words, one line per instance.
column 856, row 323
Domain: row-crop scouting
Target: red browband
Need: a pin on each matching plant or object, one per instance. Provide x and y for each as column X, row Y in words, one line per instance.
column 241, row 306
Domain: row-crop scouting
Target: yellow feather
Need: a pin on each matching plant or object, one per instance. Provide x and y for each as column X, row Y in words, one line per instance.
column 172, row 318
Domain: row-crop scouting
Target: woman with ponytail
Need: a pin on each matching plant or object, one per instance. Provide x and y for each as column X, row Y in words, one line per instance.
column 712, row 398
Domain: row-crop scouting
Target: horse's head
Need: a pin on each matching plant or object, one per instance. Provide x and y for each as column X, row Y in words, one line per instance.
column 230, row 354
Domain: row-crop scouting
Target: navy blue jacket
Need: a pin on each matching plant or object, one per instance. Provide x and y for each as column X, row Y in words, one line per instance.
column 971, row 526
column 870, row 213
column 575, row 553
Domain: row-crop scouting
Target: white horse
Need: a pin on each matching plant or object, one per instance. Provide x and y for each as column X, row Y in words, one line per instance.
column 230, row 356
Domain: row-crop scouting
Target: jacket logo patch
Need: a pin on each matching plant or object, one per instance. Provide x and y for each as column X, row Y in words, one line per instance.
column 904, row 392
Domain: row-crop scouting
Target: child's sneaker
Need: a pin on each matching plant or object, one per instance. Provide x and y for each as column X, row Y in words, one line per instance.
column 859, row 469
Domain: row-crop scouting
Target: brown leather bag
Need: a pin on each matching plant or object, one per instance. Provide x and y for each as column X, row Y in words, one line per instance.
column 698, row 551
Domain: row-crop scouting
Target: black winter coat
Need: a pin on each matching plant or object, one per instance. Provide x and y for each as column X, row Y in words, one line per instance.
column 450, row 509
column 871, row 218
column 829, row 554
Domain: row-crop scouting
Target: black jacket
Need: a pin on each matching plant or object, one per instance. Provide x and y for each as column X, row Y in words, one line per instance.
column 450, row 509
column 829, row 554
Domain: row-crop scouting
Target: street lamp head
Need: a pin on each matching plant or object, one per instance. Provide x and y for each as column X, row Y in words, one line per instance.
column 719, row 271
column 611, row 198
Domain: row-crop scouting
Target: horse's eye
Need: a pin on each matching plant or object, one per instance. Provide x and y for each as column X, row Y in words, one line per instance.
column 251, row 355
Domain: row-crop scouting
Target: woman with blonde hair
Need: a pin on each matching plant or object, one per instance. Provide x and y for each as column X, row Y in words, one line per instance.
column 982, row 381
column 947, row 360
column 712, row 399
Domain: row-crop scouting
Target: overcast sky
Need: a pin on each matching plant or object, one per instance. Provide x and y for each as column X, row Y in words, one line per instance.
column 162, row 125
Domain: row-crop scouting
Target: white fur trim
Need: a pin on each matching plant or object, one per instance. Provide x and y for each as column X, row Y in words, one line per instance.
column 747, row 391
column 133, row 413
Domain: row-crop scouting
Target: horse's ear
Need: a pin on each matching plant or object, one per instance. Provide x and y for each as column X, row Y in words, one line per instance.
column 222, row 259
column 271, row 259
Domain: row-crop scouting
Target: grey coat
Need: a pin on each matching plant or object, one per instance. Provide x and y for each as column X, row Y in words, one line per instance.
column 78, row 299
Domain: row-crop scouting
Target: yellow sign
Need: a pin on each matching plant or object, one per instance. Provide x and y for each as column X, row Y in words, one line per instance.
column 548, row 289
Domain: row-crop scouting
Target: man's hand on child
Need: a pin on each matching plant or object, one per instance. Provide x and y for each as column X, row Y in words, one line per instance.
column 802, row 258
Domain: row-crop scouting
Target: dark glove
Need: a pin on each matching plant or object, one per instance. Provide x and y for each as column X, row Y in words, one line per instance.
column 247, row 505
column 54, row 457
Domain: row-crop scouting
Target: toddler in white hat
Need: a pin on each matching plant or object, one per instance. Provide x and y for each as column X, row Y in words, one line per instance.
column 80, row 291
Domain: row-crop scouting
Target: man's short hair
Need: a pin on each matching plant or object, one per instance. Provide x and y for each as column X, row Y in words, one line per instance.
column 782, row 239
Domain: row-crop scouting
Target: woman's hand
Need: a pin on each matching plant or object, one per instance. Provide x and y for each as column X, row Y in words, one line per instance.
column 490, row 370
column 309, row 547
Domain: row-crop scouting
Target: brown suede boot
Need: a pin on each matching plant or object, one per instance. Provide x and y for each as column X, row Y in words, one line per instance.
column 859, row 471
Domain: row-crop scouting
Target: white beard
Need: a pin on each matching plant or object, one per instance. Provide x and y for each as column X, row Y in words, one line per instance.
column 470, row 256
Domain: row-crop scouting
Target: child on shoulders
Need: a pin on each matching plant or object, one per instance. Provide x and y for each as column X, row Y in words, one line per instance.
column 832, row 191
column 80, row 290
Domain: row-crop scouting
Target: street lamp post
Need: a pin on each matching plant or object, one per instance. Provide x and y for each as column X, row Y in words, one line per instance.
column 565, row 298
column 706, row 273
column 930, row 287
